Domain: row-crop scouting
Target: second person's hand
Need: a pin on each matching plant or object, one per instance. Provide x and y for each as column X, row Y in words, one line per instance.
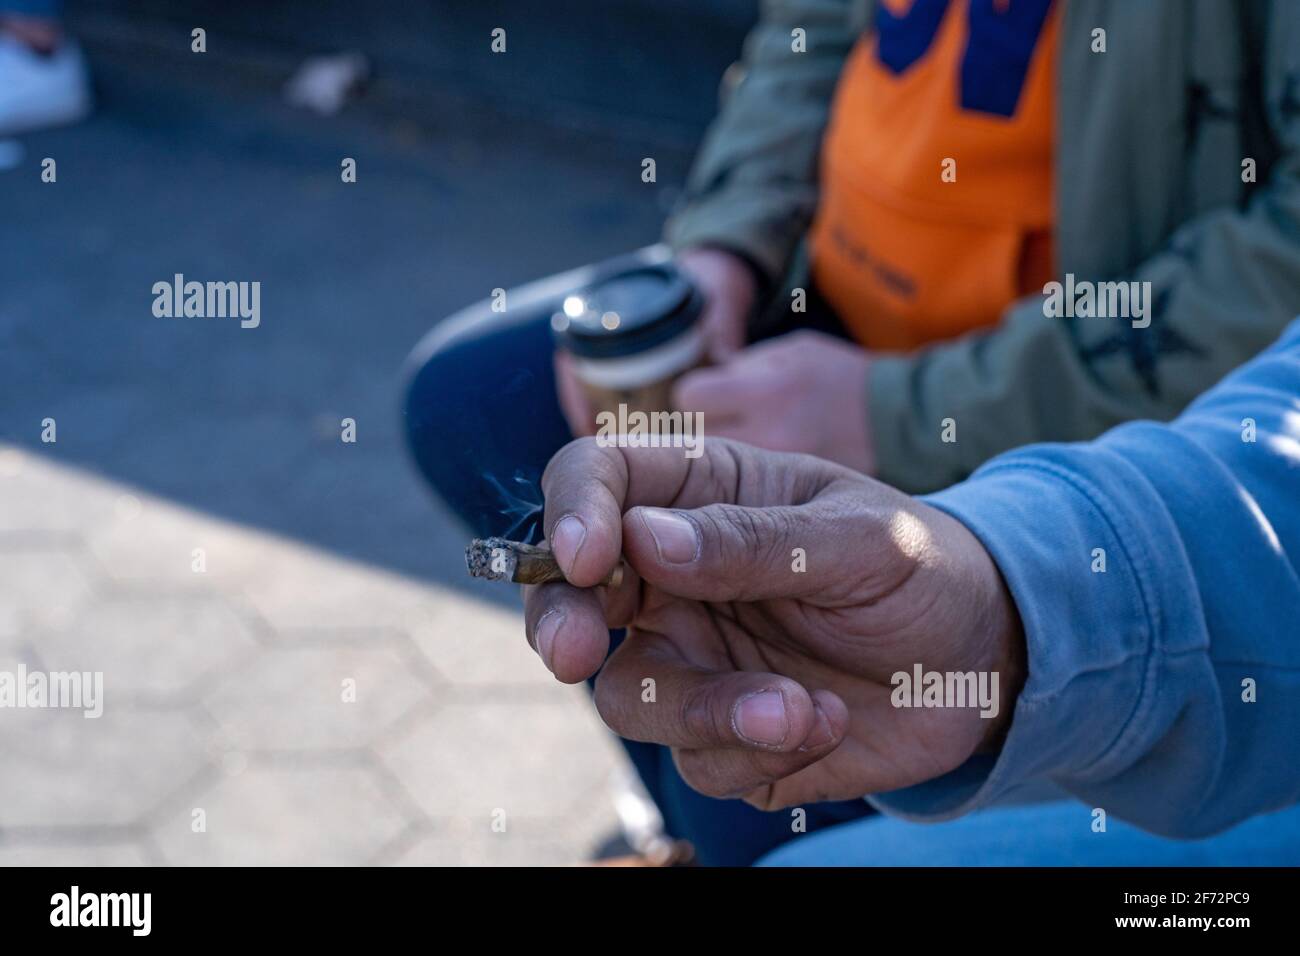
column 729, row 292
column 804, row 392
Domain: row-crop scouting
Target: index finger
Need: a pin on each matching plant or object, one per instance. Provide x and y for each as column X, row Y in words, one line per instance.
column 587, row 487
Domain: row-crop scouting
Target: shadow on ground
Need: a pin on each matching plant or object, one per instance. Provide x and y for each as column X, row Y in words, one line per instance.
column 201, row 170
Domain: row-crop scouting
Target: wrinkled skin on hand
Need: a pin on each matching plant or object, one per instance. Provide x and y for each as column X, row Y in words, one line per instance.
column 770, row 683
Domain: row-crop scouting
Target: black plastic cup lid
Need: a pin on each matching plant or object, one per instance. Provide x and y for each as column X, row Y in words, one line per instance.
column 628, row 312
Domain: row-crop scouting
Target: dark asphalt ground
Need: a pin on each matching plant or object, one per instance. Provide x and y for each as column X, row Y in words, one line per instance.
column 194, row 165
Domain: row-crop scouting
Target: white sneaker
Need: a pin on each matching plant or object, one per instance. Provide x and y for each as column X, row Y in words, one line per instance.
column 38, row 91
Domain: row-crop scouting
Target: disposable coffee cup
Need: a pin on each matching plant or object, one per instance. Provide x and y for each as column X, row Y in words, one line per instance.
column 632, row 335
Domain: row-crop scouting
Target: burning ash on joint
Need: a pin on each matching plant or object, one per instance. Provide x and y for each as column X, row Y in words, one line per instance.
column 491, row 558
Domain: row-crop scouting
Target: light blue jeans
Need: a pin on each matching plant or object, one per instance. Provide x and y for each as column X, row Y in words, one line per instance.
column 1045, row 834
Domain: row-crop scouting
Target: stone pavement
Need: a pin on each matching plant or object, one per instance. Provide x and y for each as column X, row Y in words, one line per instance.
column 225, row 692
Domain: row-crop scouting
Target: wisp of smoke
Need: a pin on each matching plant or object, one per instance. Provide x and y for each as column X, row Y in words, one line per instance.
column 523, row 506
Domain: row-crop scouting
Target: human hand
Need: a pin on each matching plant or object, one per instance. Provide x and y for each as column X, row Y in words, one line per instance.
column 729, row 293
column 804, row 392
column 770, row 683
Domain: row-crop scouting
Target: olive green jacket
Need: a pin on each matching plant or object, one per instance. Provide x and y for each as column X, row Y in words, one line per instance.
column 1152, row 138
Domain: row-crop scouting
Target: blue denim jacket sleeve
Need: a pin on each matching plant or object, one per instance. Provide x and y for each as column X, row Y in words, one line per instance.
column 1166, row 688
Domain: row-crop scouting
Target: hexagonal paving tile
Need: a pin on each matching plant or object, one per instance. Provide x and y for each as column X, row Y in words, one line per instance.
column 284, row 817
column 530, row 759
column 471, row 643
column 42, row 495
column 525, row 841
column 304, row 589
column 90, row 854
column 491, row 849
column 163, row 543
column 152, row 649
column 44, row 589
column 293, row 697
column 61, row 769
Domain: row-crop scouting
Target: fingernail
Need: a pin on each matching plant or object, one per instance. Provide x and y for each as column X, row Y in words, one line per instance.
column 674, row 535
column 821, row 734
column 566, row 539
column 760, row 718
column 544, row 637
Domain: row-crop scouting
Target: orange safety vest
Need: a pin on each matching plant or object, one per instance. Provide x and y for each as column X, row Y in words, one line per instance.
column 936, row 206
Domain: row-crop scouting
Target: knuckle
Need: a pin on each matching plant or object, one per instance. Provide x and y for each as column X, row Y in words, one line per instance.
column 749, row 529
column 562, row 461
column 698, row 717
column 752, row 536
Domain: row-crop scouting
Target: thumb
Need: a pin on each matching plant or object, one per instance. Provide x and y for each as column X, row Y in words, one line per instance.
column 732, row 553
